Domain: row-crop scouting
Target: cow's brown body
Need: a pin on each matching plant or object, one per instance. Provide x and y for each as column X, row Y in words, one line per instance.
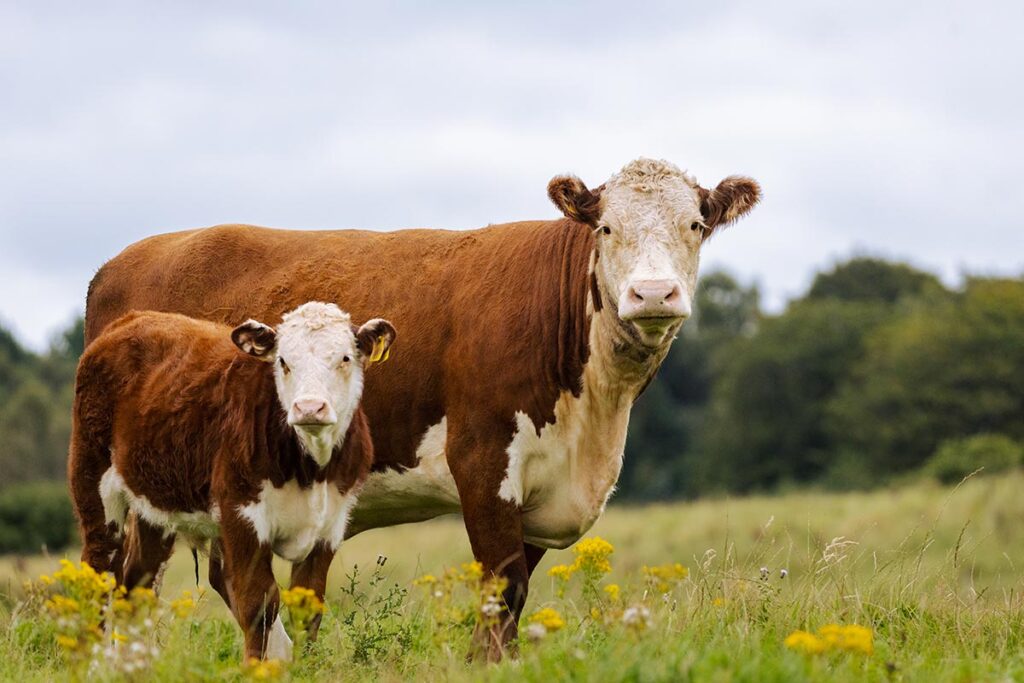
column 192, row 424
column 494, row 321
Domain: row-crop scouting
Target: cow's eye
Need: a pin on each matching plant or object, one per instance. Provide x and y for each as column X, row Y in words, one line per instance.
column 695, row 226
column 606, row 230
column 345, row 359
column 284, row 366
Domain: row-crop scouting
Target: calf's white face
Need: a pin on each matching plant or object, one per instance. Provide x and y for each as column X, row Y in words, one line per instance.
column 319, row 357
column 650, row 220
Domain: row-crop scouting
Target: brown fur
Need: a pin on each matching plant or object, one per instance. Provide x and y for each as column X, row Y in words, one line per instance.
column 574, row 200
column 190, row 421
column 494, row 322
column 730, row 200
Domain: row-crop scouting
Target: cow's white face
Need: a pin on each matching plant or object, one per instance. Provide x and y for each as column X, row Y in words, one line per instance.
column 650, row 221
column 319, row 358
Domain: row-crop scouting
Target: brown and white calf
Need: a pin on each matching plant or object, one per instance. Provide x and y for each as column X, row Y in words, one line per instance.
column 251, row 439
column 527, row 344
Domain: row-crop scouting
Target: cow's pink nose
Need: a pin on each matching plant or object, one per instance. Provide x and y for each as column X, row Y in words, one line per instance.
column 311, row 411
column 653, row 299
column 654, row 292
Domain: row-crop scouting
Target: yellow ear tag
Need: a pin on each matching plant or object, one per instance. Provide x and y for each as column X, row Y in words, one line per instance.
column 378, row 353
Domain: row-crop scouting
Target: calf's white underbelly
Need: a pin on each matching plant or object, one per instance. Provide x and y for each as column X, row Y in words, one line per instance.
column 291, row 519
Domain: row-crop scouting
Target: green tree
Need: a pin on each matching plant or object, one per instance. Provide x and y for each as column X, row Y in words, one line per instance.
column 872, row 279
column 767, row 420
column 945, row 370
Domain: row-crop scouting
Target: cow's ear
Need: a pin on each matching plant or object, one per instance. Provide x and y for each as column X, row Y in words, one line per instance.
column 574, row 200
column 734, row 197
column 256, row 339
column 374, row 339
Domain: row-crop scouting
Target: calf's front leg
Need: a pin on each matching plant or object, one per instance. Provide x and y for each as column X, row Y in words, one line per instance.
column 312, row 573
column 255, row 599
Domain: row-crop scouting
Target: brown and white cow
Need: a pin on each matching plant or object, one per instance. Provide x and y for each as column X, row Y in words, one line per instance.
column 527, row 344
column 251, row 438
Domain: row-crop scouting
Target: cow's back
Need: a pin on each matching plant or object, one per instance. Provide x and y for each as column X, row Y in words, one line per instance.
column 476, row 298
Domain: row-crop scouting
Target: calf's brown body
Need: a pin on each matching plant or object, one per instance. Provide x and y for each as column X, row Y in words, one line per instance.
column 170, row 406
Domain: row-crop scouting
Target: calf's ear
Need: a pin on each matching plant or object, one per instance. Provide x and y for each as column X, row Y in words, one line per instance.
column 734, row 197
column 574, row 200
column 256, row 339
column 374, row 339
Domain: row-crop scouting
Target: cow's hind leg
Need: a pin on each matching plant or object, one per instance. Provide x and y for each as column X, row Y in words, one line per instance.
column 147, row 549
column 312, row 573
column 478, row 461
column 88, row 463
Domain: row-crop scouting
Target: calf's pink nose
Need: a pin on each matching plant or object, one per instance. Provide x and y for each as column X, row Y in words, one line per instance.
column 310, row 411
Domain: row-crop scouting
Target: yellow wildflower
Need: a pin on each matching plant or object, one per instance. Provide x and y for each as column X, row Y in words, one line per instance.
column 265, row 670
column 472, row 571
column 549, row 618
column 592, row 555
column 664, row 577
column 562, row 572
column 425, row 580
column 805, row 642
column 67, row 642
column 613, row 591
column 184, row 605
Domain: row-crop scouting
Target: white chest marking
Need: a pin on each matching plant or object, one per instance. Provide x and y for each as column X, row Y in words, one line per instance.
column 293, row 519
column 563, row 476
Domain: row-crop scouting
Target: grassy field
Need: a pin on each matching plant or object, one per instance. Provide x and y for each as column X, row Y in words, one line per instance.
column 933, row 572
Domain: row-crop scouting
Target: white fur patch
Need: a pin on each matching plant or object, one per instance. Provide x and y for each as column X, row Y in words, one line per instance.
column 279, row 645
column 563, row 476
column 316, row 343
column 293, row 519
column 649, row 207
column 118, row 499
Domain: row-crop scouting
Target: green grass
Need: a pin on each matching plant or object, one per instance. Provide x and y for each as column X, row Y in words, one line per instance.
column 934, row 572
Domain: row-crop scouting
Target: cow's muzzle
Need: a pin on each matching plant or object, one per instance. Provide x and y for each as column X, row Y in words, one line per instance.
column 654, row 307
column 311, row 413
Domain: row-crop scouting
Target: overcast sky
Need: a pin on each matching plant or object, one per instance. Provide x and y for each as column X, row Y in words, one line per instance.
column 885, row 128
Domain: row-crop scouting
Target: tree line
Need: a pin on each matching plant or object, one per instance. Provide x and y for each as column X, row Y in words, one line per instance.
column 878, row 371
column 862, row 380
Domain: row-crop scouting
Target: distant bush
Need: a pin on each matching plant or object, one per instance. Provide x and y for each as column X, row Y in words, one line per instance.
column 956, row 458
column 34, row 516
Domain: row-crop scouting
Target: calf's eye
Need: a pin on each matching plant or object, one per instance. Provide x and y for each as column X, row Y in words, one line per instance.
column 606, row 230
column 694, row 226
column 284, row 366
column 345, row 359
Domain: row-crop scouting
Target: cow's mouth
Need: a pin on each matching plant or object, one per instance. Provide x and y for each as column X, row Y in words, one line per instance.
column 653, row 330
column 313, row 427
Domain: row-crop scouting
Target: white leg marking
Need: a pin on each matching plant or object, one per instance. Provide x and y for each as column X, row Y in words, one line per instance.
column 279, row 645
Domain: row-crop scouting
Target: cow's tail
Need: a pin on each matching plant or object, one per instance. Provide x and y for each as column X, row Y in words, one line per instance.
column 89, row 462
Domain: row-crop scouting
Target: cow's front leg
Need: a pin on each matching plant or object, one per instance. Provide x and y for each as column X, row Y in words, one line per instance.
column 495, row 528
column 255, row 599
column 312, row 573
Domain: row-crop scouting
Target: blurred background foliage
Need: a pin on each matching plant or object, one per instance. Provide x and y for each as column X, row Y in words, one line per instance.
column 877, row 373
